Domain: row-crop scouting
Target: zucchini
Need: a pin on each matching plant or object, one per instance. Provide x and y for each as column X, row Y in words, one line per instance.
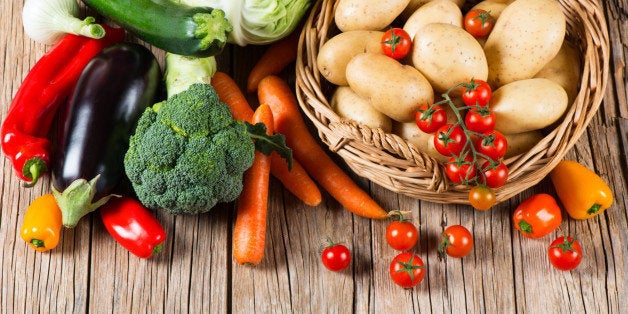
column 169, row 25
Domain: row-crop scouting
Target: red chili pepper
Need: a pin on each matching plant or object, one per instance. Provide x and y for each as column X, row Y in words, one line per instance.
column 48, row 84
column 133, row 226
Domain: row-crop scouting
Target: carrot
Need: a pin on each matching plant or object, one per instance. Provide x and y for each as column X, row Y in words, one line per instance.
column 278, row 55
column 275, row 92
column 297, row 181
column 249, row 234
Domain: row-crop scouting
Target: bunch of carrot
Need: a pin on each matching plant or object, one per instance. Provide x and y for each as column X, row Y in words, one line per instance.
column 279, row 111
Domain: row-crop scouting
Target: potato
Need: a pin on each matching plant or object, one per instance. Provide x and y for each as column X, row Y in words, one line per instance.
column 413, row 5
column 392, row 88
column 520, row 143
column 423, row 141
column 494, row 7
column 528, row 105
column 347, row 104
column 370, row 15
column 437, row 11
column 564, row 69
column 334, row 55
column 447, row 55
column 527, row 35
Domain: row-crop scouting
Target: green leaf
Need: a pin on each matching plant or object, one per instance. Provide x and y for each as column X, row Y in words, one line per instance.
column 266, row 144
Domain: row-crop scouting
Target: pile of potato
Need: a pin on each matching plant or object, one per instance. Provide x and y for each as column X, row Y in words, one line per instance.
column 533, row 71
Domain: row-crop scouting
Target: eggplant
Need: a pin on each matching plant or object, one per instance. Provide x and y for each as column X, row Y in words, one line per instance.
column 113, row 91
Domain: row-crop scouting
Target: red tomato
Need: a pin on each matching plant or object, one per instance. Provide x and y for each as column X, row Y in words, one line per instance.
column 457, row 241
column 479, row 23
column 401, row 234
column 492, row 144
column 495, row 174
column 396, row 43
column 429, row 118
column 407, row 270
column 480, row 120
column 537, row 216
column 565, row 253
column 459, row 170
column 336, row 257
column 481, row 197
column 450, row 140
column 476, row 93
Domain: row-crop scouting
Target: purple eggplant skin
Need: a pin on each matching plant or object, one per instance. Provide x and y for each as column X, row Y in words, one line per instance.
column 111, row 94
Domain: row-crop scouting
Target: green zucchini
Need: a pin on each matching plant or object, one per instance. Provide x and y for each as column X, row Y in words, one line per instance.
column 169, row 25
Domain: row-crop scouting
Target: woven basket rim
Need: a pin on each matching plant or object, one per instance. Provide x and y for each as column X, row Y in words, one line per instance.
column 390, row 161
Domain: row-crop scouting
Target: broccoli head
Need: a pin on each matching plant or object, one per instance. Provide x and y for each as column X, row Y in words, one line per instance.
column 188, row 153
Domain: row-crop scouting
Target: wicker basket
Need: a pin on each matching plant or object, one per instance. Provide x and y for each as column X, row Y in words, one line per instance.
column 392, row 162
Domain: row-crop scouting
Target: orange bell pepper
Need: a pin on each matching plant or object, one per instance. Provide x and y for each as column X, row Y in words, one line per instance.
column 41, row 228
column 583, row 193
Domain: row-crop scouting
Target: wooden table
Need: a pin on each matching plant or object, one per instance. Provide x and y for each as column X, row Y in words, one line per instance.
column 90, row 272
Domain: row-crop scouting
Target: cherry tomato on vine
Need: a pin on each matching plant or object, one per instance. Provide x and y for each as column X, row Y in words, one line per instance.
column 457, row 242
column 430, row 118
column 460, row 170
column 336, row 257
column 481, row 197
column 407, row 269
column 480, row 120
column 396, row 43
column 476, row 92
column 450, row 139
column 495, row 174
column 401, row 234
column 565, row 253
column 479, row 23
column 492, row 144
column 537, row 216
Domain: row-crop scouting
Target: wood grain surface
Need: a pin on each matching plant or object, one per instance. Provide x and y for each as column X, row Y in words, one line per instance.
column 505, row 273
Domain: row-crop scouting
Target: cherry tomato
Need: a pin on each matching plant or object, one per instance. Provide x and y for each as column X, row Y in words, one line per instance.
column 565, row 253
column 476, row 93
column 401, row 234
column 457, row 242
column 336, row 257
column 479, row 23
column 492, row 144
column 537, row 216
column 429, row 118
column 450, row 139
column 495, row 174
column 396, row 43
column 480, row 120
column 460, row 170
column 481, row 197
column 407, row 270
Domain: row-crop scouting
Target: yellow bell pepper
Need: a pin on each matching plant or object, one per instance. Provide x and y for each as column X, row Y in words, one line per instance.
column 583, row 193
column 42, row 224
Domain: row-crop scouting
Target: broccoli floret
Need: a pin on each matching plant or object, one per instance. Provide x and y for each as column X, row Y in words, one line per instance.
column 188, row 153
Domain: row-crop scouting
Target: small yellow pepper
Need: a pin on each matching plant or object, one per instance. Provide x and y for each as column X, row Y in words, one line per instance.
column 583, row 193
column 42, row 223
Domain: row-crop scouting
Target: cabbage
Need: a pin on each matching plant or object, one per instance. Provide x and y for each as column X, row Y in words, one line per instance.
column 258, row 21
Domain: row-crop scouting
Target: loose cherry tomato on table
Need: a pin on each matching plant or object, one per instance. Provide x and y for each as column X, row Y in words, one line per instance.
column 457, row 242
column 407, row 270
column 480, row 120
column 460, row 169
column 492, row 144
column 565, row 253
column 481, row 197
column 430, row 118
column 537, row 216
column 479, row 23
column 396, row 43
column 476, row 93
column 495, row 174
column 336, row 257
column 450, row 140
column 401, row 234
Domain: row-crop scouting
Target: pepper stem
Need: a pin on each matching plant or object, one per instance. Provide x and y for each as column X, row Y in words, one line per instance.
column 37, row 243
column 157, row 249
column 33, row 169
column 525, row 226
column 594, row 209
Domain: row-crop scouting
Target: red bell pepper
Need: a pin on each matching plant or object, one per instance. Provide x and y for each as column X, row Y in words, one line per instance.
column 133, row 226
column 25, row 129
